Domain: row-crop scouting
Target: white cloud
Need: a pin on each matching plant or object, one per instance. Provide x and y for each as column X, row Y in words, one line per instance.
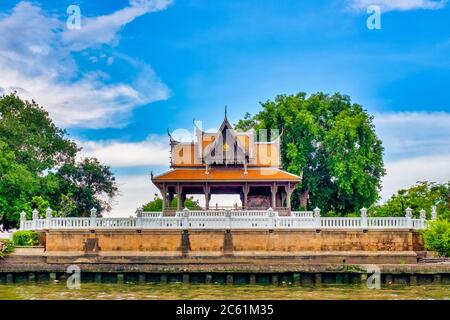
column 413, row 134
column 104, row 29
column 405, row 173
column 397, row 5
column 135, row 190
column 37, row 61
column 416, row 148
column 154, row 151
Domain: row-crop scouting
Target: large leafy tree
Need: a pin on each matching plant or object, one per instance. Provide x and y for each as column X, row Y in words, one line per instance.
column 89, row 184
column 331, row 142
column 29, row 132
column 38, row 166
column 17, row 186
column 422, row 195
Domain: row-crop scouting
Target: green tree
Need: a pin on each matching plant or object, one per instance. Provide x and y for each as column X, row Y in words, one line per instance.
column 87, row 184
column 40, row 204
column 156, row 204
column 38, row 167
column 437, row 237
column 17, row 186
column 332, row 143
column 29, row 132
column 422, row 195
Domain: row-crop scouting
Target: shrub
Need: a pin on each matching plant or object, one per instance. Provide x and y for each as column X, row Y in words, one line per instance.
column 25, row 238
column 6, row 246
column 437, row 237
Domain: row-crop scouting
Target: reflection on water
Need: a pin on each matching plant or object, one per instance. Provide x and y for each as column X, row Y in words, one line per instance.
column 206, row 291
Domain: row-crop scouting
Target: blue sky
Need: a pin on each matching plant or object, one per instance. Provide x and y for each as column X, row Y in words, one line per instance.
column 136, row 68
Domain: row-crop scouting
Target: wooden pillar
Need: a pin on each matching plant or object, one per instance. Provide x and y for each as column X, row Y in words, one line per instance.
column 288, row 196
column 245, row 191
column 273, row 189
column 283, row 198
column 179, row 190
column 207, row 191
column 206, row 201
column 241, row 197
column 163, row 195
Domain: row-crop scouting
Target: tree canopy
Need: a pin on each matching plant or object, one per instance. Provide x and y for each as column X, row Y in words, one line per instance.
column 331, row 142
column 31, row 135
column 422, row 195
column 156, row 204
column 39, row 167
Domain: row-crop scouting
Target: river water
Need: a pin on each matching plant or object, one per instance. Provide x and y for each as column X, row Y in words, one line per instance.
column 27, row 291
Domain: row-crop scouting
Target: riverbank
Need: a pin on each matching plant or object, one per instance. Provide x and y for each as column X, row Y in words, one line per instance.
column 176, row 291
column 31, row 265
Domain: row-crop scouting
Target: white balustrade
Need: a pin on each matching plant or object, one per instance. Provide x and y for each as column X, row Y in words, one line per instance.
column 303, row 214
column 295, row 222
column 340, row 222
column 419, row 223
column 223, row 213
column 151, row 214
column 386, row 222
column 223, row 219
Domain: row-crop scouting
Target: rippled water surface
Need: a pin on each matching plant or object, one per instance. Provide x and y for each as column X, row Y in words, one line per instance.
column 205, row 291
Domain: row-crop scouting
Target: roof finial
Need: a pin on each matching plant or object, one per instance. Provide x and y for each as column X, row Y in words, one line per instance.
column 225, row 111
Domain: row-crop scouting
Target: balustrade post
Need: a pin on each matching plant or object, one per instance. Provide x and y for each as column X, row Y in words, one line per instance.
column 270, row 214
column 433, row 213
column 93, row 220
column 228, row 216
column 423, row 217
column 409, row 224
column 317, row 218
column 35, row 218
column 23, row 219
column 48, row 217
column 139, row 217
column 185, row 218
column 364, row 218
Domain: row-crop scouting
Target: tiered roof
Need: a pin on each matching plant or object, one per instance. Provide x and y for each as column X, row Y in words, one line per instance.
column 226, row 155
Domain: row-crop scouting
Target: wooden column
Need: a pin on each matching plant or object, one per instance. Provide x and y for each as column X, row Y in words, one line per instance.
column 273, row 189
column 207, row 191
column 288, row 196
column 179, row 190
column 245, row 190
column 164, row 196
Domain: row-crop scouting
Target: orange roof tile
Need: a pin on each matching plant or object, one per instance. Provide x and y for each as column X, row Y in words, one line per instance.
column 226, row 174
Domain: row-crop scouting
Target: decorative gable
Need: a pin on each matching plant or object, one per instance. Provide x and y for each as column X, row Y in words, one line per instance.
column 226, row 148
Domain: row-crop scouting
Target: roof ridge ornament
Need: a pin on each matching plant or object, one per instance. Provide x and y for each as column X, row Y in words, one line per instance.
column 168, row 133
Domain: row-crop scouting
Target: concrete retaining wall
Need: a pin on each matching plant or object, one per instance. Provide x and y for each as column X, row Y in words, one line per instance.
column 222, row 242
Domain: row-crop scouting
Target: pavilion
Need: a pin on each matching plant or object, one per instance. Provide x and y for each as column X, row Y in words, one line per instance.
column 227, row 162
